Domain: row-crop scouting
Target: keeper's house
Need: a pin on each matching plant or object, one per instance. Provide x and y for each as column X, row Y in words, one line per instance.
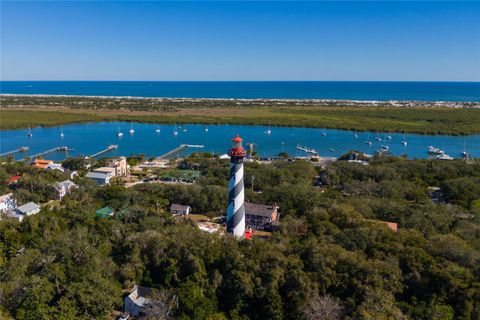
column 259, row 216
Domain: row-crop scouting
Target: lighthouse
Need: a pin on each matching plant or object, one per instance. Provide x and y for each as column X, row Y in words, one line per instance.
column 236, row 207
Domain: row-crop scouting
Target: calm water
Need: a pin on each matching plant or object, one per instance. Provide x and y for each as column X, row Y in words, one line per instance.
column 90, row 138
column 351, row 90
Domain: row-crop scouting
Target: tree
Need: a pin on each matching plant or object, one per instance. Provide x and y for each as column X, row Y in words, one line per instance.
column 322, row 308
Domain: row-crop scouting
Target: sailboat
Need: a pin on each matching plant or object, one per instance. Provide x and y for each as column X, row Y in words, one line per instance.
column 119, row 133
column 132, row 131
column 29, row 133
column 175, row 131
column 404, row 141
column 378, row 137
column 61, row 132
column 269, row 131
column 157, row 130
column 368, row 142
column 464, row 153
column 355, row 134
column 206, row 129
column 323, row 132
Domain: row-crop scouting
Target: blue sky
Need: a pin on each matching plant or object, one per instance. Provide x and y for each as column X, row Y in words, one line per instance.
column 100, row 40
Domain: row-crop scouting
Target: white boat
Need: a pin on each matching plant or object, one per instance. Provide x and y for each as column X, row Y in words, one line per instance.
column 444, row 156
column 331, row 149
column 132, row 131
column 175, row 131
column 206, row 129
column 269, row 131
column 61, row 132
column 157, row 130
column 435, row 151
column 184, row 130
column 324, row 133
column 355, row 134
column 29, row 133
column 385, row 147
column 389, row 137
column 368, row 142
column 404, row 141
column 119, row 133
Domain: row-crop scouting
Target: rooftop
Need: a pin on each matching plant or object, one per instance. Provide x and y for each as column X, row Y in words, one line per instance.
column 178, row 207
column 96, row 175
column 259, row 209
column 28, row 207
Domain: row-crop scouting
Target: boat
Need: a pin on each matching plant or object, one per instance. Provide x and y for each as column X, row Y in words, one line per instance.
column 157, row 130
column 119, row 133
column 269, row 131
column 368, row 142
column 324, row 133
column 385, row 147
column 61, row 132
column 206, row 129
column 404, row 141
column 29, row 133
column 175, row 131
column 331, row 149
column 435, row 151
column 444, row 156
column 389, row 137
column 355, row 134
column 132, row 131
column 184, row 130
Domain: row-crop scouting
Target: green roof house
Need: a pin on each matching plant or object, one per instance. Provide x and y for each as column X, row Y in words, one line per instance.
column 105, row 212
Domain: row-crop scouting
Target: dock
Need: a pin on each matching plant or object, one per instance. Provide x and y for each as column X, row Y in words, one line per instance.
column 108, row 149
column 21, row 149
column 178, row 149
column 56, row 149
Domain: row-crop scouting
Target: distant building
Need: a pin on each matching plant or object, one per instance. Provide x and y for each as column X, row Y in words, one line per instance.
column 102, row 175
column 7, row 202
column 63, row 188
column 41, row 163
column 138, row 301
column 435, row 194
column 55, row 166
column 259, row 216
column 105, row 212
column 122, row 169
column 180, row 209
column 28, row 209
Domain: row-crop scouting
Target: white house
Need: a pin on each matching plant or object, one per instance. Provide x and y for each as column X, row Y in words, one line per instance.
column 63, row 188
column 55, row 166
column 27, row 209
column 7, row 202
column 136, row 303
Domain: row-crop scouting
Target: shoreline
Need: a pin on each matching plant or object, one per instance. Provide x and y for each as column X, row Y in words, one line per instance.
column 438, row 103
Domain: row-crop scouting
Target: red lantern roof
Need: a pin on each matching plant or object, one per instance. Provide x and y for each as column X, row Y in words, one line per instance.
column 237, row 139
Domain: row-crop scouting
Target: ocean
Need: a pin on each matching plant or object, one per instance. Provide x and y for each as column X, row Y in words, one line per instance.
column 339, row 90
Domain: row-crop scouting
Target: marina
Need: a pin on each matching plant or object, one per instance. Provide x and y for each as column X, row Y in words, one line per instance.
column 155, row 140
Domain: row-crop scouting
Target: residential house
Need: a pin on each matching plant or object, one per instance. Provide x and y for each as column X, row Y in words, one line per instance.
column 55, row 166
column 435, row 194
column 105, row 212
column 122, row 169
column 42, row 163
column 180, row 209
column 12, row 180
column 139, row 300
column 21, row 212
column 63, row 188
column 7, row 202
column 102, row 175
column 259, row 216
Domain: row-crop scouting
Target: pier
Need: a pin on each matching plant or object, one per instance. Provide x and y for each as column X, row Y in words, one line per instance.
column 56, row 149
column 178, row 149
column 108, row 149
column 21, row 149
